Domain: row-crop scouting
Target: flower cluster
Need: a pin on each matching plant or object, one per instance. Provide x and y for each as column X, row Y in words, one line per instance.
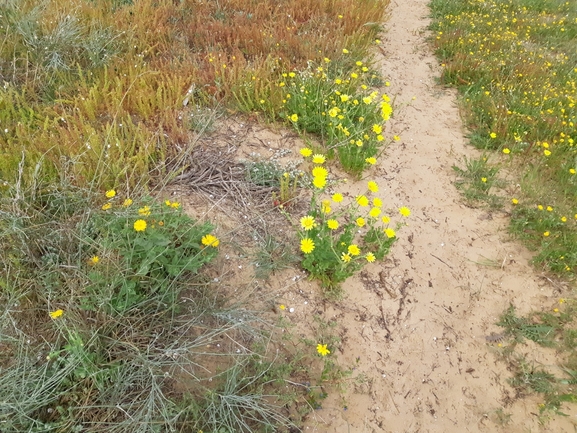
column 338, row 242
column 343, row 109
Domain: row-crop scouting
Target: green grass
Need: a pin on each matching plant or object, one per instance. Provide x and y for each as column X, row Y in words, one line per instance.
column 514, row 64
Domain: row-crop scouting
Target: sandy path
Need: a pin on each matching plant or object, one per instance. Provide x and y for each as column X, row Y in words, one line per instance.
column 423, row 355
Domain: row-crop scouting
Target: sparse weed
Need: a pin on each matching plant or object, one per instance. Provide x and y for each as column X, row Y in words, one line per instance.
column 476, row 180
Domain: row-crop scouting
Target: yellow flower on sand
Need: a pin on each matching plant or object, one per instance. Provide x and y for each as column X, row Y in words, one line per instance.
column 354, row 250
column 210, row 241
column 110, row 193
column 386, row 110
column 345, row 257
column 360, row 222
column 386, row 219
column 319, row 159
column 307, row 245
column 390, row 233
column 56, row 314
column 377, row 202
column 362, row 200
column 375, row 212
column 371, row 160
column 139, row 225
column 404, row 211
column 282, row 307
column 106, row 206
column 320, row 171
column 322, row 349
column 94, row 260
column 370, row 257
column 127, row 202
column 319, row 182
column 372, row 185
column 326, row 207
column 308, row 222
column 306, row 152
column 144, row 211
column 333, row 224
column 175, row 205
column 337, row 197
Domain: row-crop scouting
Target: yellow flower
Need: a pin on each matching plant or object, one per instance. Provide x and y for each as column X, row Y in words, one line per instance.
column 385, row 219
column 320, row 171
column 326, row 208
column 360, row 222
column 110, row 193
column 377, row 129
column 210, row 241
column 386, row 110
column 506, row 151
column 540, row 207
column 345, row 257
column 572, row 171
column 493, row 135
column 345, row 51
column 167, row 202
column 514, row 201
column 549, row 209
column 371, row 160
column 106, row 206
column 564, row 219
column 319, row 159
column 322, row 349
column 345, row 98
column 127, row 202
column 333, row 112
column 144, row 211
column 308, row 222
column 338, row 197
column 282, row 307
column 390, row 233
column 377, row 202
column 354, row 250
column 319, row 182
column 294, row 117
column 396, row 138
column 305, row 151
column 547, row 152
column 380, row 137
column 375, row 212
column 404, row 211
column 94, row 260
column 139, row 225
column 372, row 185
column 307, row 245
column 362, row 200
column 175, row 205
column 56, row 314
column 546, row 234
column 484, row 179
column 370, row 257
column 333, row 224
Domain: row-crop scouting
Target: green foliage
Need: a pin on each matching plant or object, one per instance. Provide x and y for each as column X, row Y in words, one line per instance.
column 134, row 266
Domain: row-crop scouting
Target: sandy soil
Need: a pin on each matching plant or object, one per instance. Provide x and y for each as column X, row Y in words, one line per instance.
column 414, row 327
